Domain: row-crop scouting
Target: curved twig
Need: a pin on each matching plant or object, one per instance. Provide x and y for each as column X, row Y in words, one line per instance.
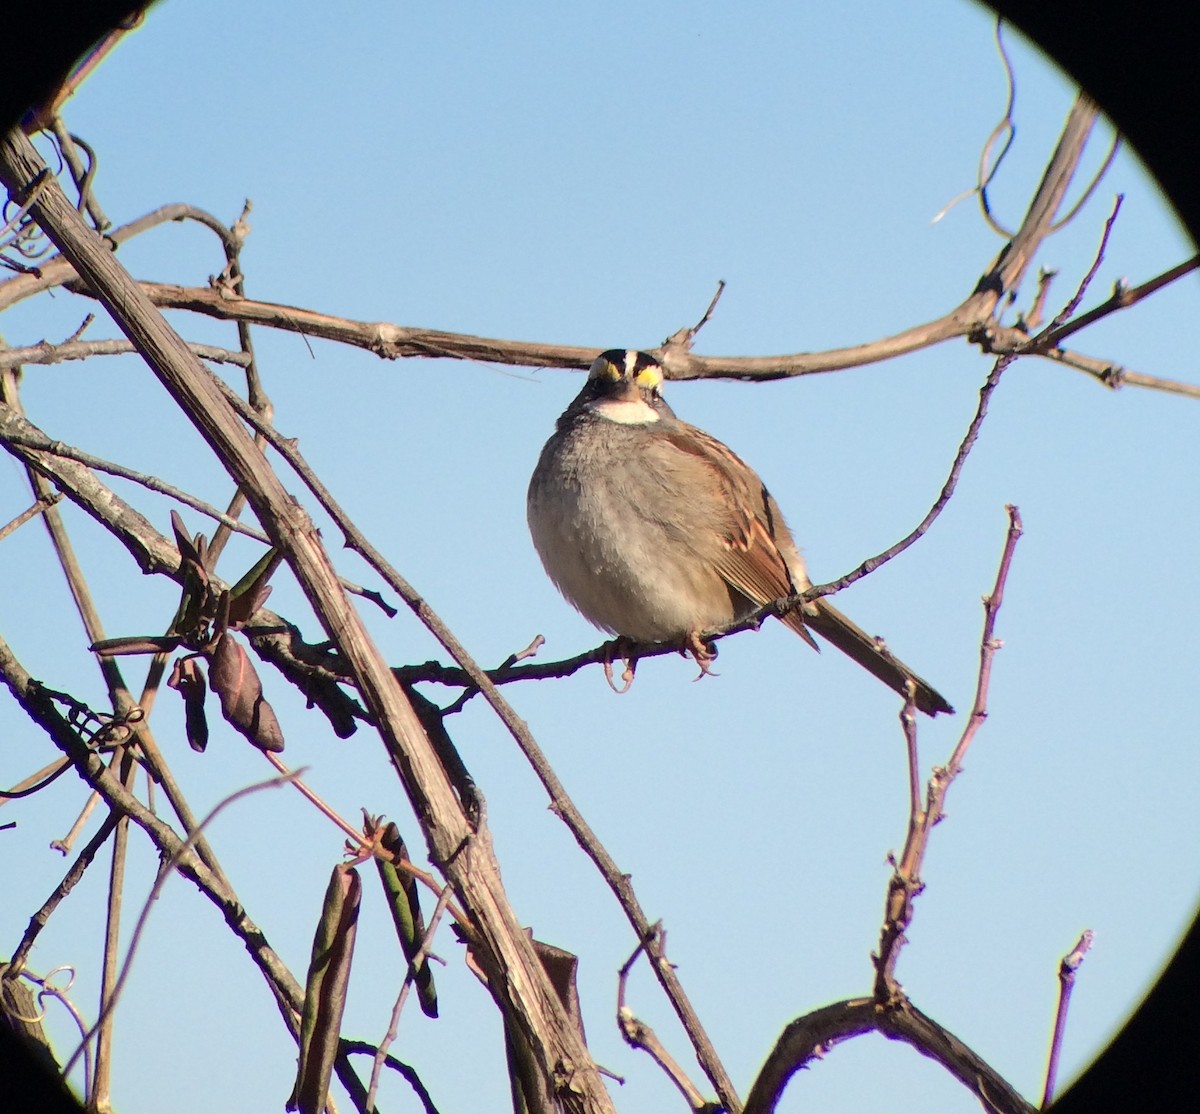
column 812, row 1036
column 165, row 871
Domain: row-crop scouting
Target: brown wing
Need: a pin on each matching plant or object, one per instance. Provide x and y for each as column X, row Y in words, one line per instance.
column 758, row 558
column 756, row 543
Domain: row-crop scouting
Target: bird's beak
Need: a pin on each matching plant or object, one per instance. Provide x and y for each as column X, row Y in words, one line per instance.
column 626, row 390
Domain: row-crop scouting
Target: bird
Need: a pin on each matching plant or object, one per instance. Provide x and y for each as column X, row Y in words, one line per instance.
column 657, row 532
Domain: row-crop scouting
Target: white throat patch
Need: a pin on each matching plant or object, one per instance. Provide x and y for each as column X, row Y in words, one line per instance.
column 633, row 412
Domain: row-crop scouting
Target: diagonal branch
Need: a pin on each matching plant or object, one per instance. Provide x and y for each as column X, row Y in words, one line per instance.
column 524, row 992
column 561, row 802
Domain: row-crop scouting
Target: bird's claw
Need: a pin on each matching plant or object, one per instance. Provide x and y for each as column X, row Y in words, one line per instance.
column 702, row 653
column 617, row 648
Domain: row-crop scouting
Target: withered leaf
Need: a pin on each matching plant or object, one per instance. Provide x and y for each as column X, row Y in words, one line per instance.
column 403, row 902
column 235, row 680
column 188, row 679
column 136, row 644
column 325, row 991
column 252, row 590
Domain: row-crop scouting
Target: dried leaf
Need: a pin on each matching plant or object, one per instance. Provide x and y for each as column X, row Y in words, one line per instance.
column 403, row 900
column 183, row 540
column 136, row 644
column 562, row 968
column 235, row 681
column 325, row 991
column 188, row 679
column 252, row 590
column 195, row 599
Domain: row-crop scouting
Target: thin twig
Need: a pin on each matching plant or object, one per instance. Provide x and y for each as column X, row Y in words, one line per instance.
column 329, row 813
column 638, row 1034
column 682, row 339
column 420, row 956
column 960, row 457
column 905, row 883
column 359, row 846
column 164, row 873
column 1122, row 298
column 63, row 846
column 38, row 921
column 126, row 770
column 1066, row 981
column 1069, row 309
column 45, row 353
column 31, row 437
column 42, row 503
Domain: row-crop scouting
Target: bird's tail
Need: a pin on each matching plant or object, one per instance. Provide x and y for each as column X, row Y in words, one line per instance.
column 825, row 619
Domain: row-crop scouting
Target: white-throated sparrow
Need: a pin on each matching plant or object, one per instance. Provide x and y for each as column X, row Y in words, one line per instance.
column 657, row 532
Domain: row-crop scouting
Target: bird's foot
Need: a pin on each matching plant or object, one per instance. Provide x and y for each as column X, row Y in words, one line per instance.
column 702, row 653
column 619, row 648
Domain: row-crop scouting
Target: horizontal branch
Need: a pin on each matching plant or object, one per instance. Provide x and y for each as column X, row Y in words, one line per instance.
column 971, row 320
column 46, row 353
column 394, row 342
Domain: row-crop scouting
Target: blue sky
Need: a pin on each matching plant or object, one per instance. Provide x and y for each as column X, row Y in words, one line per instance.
column 586, row 174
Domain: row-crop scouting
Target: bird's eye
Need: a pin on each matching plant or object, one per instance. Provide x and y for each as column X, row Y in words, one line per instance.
column 603, row 368
column 649, row 377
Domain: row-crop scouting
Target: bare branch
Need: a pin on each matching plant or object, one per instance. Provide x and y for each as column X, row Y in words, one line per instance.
column 24, row 434
column 391, row 341
column 46, row 353
column 1066, row 982
column 58, row 270
column 638, row 1034
column 523, row 994
column 42, row 503
column 561, row 802
column 814, row 1035
column 1122, row 298
column 38, row 921
column 422, row 954
column 165, row 872
column 905, row 883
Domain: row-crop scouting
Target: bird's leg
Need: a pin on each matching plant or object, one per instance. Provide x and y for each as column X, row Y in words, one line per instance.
column 619, row 648
column 702, row 653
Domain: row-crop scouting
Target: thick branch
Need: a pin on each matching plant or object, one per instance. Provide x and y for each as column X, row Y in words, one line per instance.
column 522, row 988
